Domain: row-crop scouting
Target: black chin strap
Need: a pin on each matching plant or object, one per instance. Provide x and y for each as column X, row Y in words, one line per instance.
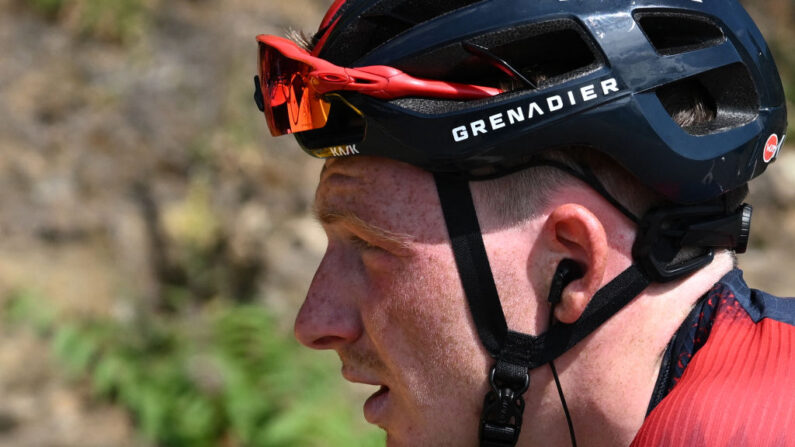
column 472, row 262
column 515, row 353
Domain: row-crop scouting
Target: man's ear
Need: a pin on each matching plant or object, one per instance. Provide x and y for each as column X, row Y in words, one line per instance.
column 573, row 232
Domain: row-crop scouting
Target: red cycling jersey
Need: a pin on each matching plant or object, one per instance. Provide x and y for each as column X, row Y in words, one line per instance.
column 727, row 378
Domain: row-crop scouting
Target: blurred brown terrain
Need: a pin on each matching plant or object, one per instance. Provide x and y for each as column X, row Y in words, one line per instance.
column 135, row 171
column 133, row 163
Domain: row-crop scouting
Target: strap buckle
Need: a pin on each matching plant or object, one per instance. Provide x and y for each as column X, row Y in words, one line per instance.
column 501, row 421
column 662, row 232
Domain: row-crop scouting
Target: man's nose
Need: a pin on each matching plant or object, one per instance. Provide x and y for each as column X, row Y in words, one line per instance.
column 329, row 317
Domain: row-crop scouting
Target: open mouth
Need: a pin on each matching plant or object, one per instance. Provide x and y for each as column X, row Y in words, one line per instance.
column 375, row 406
column 383, row 389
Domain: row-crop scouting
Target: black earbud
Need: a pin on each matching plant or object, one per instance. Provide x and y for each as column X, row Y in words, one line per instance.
column 567, row 271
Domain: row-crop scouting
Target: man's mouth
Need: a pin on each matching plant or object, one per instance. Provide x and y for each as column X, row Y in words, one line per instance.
column 375, row 406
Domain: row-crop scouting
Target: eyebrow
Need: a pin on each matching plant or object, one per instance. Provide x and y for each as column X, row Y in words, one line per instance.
column 328, row 217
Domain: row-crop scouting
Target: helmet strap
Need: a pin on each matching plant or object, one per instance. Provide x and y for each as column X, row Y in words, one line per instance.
column 515, row 353
column 660, row 234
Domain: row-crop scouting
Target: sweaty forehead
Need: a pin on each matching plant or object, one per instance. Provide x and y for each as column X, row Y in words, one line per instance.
column 389, row 194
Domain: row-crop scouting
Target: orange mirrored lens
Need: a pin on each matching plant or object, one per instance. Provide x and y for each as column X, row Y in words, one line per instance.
column 290, row 103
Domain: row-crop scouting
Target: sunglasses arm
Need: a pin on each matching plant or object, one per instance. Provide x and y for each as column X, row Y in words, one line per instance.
column 389, row 83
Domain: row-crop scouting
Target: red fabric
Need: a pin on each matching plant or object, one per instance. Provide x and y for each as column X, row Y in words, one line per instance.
column 739, row 389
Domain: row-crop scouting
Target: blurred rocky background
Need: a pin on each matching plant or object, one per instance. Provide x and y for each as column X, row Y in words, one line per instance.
column 155, row 242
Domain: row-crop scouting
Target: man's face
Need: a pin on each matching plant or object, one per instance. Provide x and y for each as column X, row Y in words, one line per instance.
column 387, row 298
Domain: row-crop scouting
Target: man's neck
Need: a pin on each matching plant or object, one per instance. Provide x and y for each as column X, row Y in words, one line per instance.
column 609, row 378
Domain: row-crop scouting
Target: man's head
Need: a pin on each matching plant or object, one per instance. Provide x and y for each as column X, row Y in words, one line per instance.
column 388, row 299
column 387, row 296
column 611, row 127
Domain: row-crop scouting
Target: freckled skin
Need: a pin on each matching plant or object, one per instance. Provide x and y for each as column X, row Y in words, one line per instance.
column 402, row 320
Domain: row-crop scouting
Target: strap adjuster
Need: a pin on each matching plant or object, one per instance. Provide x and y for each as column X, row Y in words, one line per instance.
column 663, row 232
column 501, row 420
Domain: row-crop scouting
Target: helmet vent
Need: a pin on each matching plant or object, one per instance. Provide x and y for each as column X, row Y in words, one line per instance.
column 550, row 57
column 384, row 21
column 711, row 102
column 674, row 33
column 546, row 53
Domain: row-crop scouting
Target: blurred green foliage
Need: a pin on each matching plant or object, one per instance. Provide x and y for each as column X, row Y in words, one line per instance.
column 49, row 7
column 120, row 20
column 224, row 375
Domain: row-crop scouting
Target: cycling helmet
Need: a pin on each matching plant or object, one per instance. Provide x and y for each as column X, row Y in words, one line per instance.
column 600, row 69
column 574, row 73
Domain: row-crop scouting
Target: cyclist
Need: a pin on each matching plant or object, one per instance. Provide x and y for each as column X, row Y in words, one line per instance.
column 533, row 210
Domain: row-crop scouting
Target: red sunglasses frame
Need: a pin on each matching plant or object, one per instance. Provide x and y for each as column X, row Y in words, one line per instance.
column 378, row 81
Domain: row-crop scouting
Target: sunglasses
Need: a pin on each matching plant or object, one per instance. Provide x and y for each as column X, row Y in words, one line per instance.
column 292, row 85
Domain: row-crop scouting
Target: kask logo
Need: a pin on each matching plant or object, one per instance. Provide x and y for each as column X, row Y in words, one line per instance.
column 336, row 151
column 343, row 151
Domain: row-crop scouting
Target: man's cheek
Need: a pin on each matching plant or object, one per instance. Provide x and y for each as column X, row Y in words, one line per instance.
column 382, row 265
column 433, row 318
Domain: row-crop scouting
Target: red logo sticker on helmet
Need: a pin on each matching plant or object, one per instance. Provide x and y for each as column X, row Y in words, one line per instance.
column 771, row 149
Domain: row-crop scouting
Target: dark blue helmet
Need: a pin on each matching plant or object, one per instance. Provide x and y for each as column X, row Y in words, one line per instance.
column 579, row 73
